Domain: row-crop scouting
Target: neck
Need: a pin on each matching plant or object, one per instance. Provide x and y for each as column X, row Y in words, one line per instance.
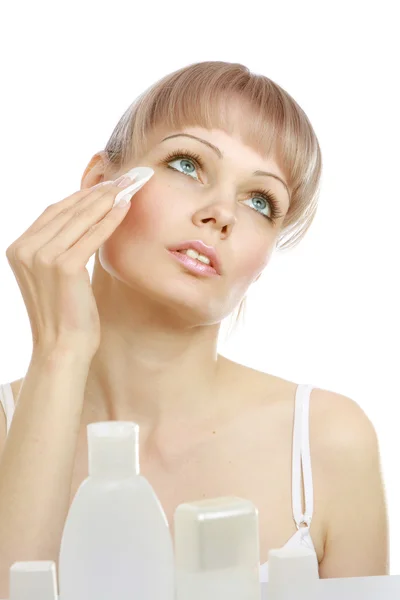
column 150, row 368
column 135, row 376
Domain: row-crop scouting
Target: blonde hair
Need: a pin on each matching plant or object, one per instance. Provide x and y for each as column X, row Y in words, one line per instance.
column 269, row 120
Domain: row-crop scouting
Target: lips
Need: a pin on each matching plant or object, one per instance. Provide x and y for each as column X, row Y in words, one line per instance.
column 201, row 248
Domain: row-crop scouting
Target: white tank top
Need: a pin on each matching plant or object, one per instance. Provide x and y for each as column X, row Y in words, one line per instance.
column 301, row 462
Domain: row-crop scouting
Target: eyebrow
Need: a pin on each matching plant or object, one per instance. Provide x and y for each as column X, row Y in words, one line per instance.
column 220, row 155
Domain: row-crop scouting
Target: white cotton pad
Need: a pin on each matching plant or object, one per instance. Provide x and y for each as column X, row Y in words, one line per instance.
column 142, row 176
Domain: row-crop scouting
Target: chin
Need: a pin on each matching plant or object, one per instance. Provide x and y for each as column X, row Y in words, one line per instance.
column 184, row 300
column 180, row 295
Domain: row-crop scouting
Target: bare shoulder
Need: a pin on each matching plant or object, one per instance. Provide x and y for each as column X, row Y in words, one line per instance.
column 343, row 440
column 337, row 422
column 344, row 427
column 346, row 461
column 347, row 447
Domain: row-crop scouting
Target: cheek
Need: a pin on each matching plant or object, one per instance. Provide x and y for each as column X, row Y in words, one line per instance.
column 150, row 213
column 254, row 265
column 263, row 257
column 254, row 256
column 145, row 225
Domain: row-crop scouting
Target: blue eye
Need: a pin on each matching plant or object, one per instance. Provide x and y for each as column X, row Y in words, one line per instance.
column 184, row 165
column 266, row 204
column 260, row 204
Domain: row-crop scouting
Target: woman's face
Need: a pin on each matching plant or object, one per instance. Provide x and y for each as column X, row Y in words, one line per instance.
column 202, row 189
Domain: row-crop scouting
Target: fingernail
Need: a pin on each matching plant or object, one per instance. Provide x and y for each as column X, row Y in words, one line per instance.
column 126, row 178
column 142, row 176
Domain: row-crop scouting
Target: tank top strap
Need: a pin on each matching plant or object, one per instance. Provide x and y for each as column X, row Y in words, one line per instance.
column 301, row 458
column 7, row 401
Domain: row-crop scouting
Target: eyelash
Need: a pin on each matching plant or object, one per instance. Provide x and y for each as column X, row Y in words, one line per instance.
column 198, row 161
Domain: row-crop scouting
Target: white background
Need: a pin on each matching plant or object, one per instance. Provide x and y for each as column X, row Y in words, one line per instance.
column 325, row 313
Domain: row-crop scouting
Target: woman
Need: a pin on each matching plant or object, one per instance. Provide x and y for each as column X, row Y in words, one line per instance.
column 235, row 172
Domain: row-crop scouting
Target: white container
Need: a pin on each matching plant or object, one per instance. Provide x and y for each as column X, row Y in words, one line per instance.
column 33, row 580
column 116, row 541
column 217, row 550
column 292, row 573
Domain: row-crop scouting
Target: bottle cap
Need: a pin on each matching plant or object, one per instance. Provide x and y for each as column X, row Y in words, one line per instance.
column 113, row 448
column 297, row 565
column 214, row 534
column 33, row 580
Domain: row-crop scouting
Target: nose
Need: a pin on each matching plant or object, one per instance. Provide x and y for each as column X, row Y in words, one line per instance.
column 218, row 216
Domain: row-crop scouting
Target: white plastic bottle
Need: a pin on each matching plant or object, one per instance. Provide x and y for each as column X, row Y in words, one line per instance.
column 116, row 541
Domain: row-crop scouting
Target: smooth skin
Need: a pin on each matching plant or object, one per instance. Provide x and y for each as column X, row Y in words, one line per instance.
column 208, row 427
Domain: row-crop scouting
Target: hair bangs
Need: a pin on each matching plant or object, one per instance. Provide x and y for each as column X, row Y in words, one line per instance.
column 227, row 96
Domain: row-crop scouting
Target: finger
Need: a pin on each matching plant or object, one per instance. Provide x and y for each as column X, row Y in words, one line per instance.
column 62, row 207
column 80, row 252
column 41, row 232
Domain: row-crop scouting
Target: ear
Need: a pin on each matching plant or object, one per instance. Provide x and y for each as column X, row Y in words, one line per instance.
column 94, row 170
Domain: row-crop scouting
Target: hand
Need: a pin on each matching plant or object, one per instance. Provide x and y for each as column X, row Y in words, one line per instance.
column 49, row 263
